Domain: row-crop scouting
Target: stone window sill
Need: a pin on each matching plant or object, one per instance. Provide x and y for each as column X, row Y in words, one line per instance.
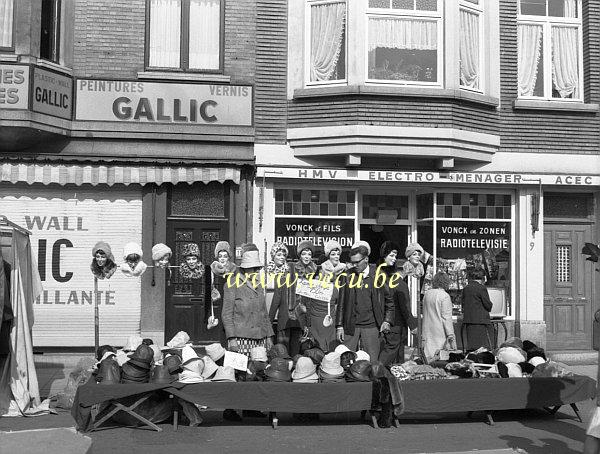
column 534, row 104
column 54, row 66
column 412, row 92
column 9, row 57
column 188, row 77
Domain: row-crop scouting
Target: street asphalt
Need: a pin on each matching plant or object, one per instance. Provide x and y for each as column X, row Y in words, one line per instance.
column 534, row 432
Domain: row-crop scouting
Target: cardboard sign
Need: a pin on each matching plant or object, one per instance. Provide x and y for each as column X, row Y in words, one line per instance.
column 318, row 291
column 236, row 360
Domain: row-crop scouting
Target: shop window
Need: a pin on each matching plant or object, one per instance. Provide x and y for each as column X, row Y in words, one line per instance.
column 424, row 206
column 184, row 34
column 550, row 49
column 198, row 200
column 405, row 41
column 373, row 203
column 327, row 43
column 473, row 206
column 306, row 202
column 50, row 30
column 568, row 205
column 563, row 264
column 7, row 17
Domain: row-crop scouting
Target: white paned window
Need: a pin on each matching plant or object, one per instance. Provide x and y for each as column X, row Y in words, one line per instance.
column 563, row 263
column 470, row 45
column 185, row 34
column 404, row 39
column 326, row 46
column 550, row 49
column 6, row 23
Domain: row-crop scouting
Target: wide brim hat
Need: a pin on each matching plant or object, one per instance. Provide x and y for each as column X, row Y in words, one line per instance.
column 325, row 377
column 187, row 376
column 331, row 366
column 360, row 371
column 210, row 367
column 279, row 246
column 411, row 248
column 222, row 246
column 387, row 247
column 215, row 351
column 251, row 259
column 332, row 245
column 278, row 373
column 188, row 354
column 142, row 357
column 312, row 378
column 305, row 244
column 364, row 244
column 226, row 374
column 161, row 374
column 160, row 250
column 132, row 248
column 104, row 247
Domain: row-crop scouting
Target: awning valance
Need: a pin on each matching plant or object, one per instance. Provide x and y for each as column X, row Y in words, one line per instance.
column 64, row 174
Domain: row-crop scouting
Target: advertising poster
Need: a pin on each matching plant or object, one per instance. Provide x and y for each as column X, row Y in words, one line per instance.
column 65, row 224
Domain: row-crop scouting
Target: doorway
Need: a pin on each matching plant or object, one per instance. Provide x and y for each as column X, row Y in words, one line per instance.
column 187, row 301
column 376, row 235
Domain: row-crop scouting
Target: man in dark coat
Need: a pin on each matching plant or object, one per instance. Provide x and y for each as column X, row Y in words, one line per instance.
column 476, row 312
column 363, row 310
column 395, row 340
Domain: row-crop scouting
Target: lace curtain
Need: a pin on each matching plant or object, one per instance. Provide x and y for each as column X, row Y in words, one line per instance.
column 570, row 8
column 165, row 33
column 565, row 66
column 529, row 39
column 469, row 49
column 417, row 34
column 205, row 34
column 326, row 30
column 6, row 23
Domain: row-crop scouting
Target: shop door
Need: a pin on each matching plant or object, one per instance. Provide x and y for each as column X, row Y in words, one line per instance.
column 376, row 235
column 567, row 287
column 187, row 302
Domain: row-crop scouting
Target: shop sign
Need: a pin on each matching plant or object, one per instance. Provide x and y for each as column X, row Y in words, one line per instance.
column 52, row 93
column 65, row 225
column 14, row 87
column 292, row 231
column 155, row 102
column 398, row 176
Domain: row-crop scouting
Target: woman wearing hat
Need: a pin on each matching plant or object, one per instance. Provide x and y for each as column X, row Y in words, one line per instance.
column 278, row 264
column 476, row 312
column 438, row 330
column 244, row 314
column 192, row 267
column 103, row 263
column 220, row 268
column 333, row 266
column 396, row 338
column 289, row 307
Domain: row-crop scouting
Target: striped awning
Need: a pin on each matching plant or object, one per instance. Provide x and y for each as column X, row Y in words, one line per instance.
column 64, row 174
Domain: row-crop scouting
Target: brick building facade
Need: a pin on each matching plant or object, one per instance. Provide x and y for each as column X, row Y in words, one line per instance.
column 453, row 124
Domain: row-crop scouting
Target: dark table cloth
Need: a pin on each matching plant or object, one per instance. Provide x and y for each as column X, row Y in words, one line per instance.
column 441, row 396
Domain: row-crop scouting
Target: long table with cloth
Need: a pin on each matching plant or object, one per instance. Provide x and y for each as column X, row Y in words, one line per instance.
column 419, row 396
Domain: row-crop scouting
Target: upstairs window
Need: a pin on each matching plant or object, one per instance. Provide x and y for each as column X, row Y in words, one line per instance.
column 471, row 44
column 50, row 30
column 185, row 34
column 6, row 24
column 327, row 43
column 405, row 41
column 550, row 49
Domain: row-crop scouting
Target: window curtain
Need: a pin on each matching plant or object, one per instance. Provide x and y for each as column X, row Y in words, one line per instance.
column 205, row 34
column 565, row 66
column 6, row 23
column 417, row 34
column 570, row 8
column 529, row 38
column 165, row 33
column 469, row 49
column 327, row 31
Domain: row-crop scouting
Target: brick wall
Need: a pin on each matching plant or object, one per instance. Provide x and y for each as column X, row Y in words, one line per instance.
column 549, row 131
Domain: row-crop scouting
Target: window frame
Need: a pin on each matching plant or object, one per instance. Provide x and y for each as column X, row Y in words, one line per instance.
column 307, row 44
column 184, row 42
column 438, row 16
column 479, row 10
column 11, row 48
column 547, row 22
column 56, row 35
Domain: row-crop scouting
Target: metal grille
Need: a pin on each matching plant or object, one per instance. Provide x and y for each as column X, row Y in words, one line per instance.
column 563, row 263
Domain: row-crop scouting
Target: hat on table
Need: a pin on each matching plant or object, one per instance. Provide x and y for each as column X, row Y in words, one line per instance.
column 347, row 359
column 179, row 340
column 331, row 365
column 215, row 351
column 341, row 349
column 161, row 374
column 142, row 357
column 362, row 355
column 305, row 371
column 511, row 355
column 278, row 351
column 210, row 367
column 259, row 354
column 226, row 374
column 359, row 371
column 316, row 354
column 173, row 363
column 278, row 370
column 109, row 372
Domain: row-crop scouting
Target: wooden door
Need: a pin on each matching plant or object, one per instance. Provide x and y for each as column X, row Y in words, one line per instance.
column 187, row 302
column 567, row 287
